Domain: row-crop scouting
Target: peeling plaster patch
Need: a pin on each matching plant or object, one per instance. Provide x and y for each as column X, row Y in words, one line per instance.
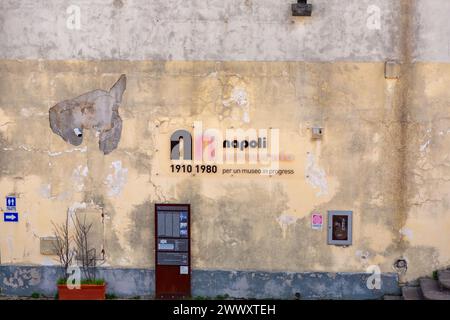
column 10, row 244
column 285, row 221
column 14, row 281
column 241, row 285
column 26, row 112
column 54, row 154
column 31, row 112
column 48, row 262
column 45, row 191
column 5, row 121
column 98, row 110
column 21, row 278
column 50, row 153
column 117, row 180
column 407, row 233
column 239, row 98
column 73, row 209
column 316, row 176
column 363, row 256
column 64, row 196
column 78, row 176
column 425, row 146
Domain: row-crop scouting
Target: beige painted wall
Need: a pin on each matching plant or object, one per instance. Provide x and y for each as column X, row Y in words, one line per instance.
column 240, row 222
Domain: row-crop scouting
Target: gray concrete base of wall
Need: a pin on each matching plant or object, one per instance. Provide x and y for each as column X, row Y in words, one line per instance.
column 24, row 280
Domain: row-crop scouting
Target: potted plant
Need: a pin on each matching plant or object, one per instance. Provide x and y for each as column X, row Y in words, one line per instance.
column 87, row 286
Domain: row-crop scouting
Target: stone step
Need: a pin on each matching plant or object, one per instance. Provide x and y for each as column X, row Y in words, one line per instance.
column 444, row 278
column 432, row 290
column 412, row 293
column 387, row 297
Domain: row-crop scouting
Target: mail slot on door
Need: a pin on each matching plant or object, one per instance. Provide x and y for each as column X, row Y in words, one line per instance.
column 172, row 258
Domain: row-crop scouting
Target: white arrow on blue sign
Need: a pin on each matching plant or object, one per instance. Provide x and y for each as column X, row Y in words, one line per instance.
column 10, row 216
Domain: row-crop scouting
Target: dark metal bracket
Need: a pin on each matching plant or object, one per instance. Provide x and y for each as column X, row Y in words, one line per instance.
column 301, row 9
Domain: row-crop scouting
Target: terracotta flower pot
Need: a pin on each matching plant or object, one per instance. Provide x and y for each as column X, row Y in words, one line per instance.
column 86, row 292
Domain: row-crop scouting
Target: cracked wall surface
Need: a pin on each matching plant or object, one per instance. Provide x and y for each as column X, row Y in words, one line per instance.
column 240, row 222
column 383, row 155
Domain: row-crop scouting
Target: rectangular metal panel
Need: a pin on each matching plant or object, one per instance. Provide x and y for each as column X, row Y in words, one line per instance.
column 176, row 225
column 171, row 208
column 173, row 258
column 161, row 225
column 168, row 225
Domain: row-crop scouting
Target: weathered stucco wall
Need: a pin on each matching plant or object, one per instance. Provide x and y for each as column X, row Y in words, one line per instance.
column 199, row 30
column 240, row 222
column 245, row 64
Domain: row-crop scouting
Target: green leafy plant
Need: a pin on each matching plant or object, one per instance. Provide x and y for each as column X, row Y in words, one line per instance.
column 222, row 296
column 98, row 282
column 110, row 296
column 35, row 295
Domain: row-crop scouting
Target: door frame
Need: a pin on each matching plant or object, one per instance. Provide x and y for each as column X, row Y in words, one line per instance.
column 156, row 247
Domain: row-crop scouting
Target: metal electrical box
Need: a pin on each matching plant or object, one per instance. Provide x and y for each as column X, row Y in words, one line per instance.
column 340, row 228
column 173, row 251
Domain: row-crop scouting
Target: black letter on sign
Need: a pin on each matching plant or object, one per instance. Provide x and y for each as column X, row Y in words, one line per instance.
column 175, row 145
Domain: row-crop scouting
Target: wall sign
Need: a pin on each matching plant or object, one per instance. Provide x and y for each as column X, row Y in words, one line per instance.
column 11, row 203
column 10, row 217
column 202, row 152
column 184, row 270
column 316, row 221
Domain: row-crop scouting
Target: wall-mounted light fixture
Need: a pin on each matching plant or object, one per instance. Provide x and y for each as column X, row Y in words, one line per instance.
column 301, row 9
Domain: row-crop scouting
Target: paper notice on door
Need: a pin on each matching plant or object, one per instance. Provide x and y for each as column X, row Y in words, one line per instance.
column 184, row 270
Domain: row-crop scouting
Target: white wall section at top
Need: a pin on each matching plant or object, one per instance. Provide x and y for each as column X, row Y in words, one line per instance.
column 248, row 30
